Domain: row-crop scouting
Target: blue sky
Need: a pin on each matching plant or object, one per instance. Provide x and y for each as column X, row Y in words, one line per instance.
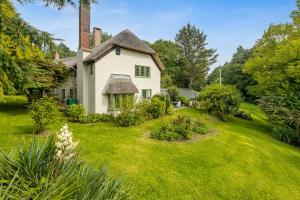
column 227, row 23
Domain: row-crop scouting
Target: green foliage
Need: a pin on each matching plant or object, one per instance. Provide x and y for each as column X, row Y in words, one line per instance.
column 157, row 107
column 44, row 112
column 129, row 117
column 197, row 58
column 64, row 51
column 171, row 57
column 275, row 66
column 23, row 65
column 220, row 100
column 75, row 112
column 232, row 73
column 244, row 115
column 179, row 128
column 285, row 134
column 94, row 118
column 174, row 93
column 185, row 101
column 36, row 173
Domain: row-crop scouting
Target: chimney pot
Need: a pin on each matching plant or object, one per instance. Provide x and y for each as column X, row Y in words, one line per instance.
column 97, row 33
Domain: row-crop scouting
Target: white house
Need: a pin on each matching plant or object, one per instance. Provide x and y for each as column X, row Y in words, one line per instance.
column 121, row 66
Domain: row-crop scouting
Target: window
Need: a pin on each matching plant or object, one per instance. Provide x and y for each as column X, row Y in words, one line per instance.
column 118, row 51
column 91, row 69
column 117, row 101
column 63, row 93
column 146, row 93
column 142, row 71
column 72, row 93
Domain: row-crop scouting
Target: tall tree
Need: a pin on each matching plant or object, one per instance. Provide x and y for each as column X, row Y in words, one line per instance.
column 171, row 57
column 197, row 58
column 232, row 73
column 275, row 65
column 23, row 65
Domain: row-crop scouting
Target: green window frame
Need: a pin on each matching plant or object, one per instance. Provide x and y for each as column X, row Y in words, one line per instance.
column 142, row 71
column 146, row 93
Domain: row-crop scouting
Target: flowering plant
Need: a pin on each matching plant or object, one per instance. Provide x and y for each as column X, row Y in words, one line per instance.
column 65, row 146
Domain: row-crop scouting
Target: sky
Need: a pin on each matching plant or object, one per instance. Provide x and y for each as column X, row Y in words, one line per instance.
column 227, row 23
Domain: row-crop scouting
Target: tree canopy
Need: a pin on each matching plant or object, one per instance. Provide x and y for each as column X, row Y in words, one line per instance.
column 23, row 64
column 197, row 58
column 232, row 73
column 275, row 66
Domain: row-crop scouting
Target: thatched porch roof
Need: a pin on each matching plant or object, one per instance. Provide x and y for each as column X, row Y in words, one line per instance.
column 120, row 84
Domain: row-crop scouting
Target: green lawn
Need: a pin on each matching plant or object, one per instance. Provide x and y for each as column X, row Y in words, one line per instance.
column 241, row 161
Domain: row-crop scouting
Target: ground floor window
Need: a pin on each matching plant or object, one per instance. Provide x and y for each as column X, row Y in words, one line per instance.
column 73, row 93
column 118, row 101
column 146, row 93
column 63, row 93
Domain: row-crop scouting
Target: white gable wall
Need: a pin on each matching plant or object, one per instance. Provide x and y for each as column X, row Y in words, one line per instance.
column 120, row 64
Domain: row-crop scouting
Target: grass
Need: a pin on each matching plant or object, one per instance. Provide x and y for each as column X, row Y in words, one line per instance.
column 240, row 162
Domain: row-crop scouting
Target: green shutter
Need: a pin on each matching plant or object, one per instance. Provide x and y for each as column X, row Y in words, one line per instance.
column 137, row 70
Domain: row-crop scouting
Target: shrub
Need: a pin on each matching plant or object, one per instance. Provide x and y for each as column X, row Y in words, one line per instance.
column 43, row 112
column 220, row 100
column 128, row 118
column 35, row 172
column 170, row 110
column 284, row 134
column 165, row 98
column 75, row 112
column 157, row 107
column 185, row 101
column 174, row 93
column 94, row 118
column 179, row 128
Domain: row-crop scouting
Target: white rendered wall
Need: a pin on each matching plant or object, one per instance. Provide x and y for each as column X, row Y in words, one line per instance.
column 123, row 64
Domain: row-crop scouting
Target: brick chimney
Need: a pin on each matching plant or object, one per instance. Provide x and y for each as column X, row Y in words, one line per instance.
column 97, row 36
column 84, row 26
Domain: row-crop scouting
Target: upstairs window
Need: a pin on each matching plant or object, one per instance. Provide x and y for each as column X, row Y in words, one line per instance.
column 142, row 71
column 118, row 51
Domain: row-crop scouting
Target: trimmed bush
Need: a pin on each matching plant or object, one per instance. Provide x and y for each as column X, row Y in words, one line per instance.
column 44, row 112
column 75, row 112
column 36, row 172
column 220, row 100
column 179, row 128
column 284, row 134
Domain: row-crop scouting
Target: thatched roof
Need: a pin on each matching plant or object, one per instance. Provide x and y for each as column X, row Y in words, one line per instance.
column 120, row 84
column 125, row 39
column 70, row 62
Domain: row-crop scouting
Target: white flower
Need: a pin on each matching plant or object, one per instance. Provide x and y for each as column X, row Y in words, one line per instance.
column 64, row 144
